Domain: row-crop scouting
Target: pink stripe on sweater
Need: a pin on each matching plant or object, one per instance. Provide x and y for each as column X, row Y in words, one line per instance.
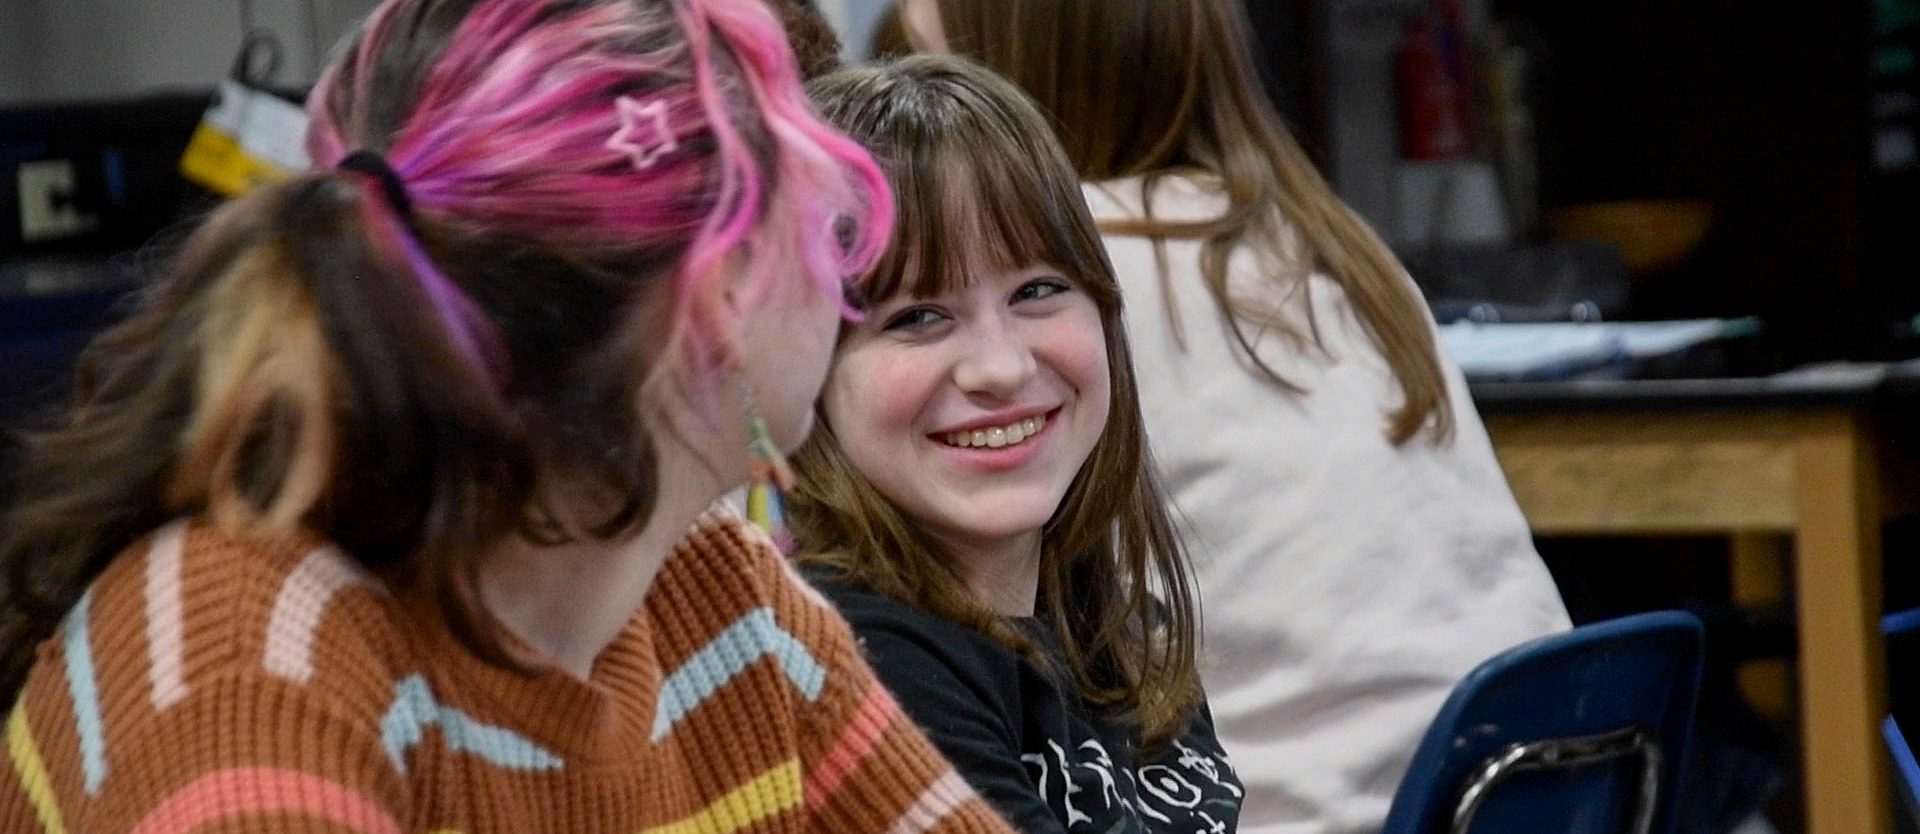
column 264, row 790
column 934, row 804
column 166, row 644
column 298, row 608
column 875, row 714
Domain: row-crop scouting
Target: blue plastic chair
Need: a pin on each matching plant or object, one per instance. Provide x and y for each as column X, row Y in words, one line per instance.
column 1576, row 733
column 1899, row 629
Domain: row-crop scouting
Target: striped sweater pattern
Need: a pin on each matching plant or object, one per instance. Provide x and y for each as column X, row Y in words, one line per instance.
column 210, row 684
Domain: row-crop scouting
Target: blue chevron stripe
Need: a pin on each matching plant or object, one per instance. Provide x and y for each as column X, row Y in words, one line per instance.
column 753, row 636
column 414, row 710
column 83, row 686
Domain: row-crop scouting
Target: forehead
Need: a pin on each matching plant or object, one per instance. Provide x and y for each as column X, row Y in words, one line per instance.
column 961, row 219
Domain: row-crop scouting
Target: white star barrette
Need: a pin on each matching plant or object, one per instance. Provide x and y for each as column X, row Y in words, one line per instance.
column 645, row 135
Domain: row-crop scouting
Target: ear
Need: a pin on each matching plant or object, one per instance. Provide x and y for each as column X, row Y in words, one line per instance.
column 718, row 311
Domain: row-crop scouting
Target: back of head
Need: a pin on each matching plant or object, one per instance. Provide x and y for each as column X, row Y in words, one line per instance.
column 410, row 349
column 1154, row 87
column 1082, row 60
column 982, row 185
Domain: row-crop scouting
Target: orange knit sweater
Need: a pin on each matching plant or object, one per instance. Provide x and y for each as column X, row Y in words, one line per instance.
column 206, row 684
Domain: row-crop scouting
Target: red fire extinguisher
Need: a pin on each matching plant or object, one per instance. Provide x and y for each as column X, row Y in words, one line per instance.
column 1434, row 123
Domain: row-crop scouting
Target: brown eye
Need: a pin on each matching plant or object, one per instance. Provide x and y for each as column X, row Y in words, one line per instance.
column 913, row 320
column 1041, row 288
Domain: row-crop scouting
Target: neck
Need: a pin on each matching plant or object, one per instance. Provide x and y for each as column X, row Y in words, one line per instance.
column 569, row 602
column 1005, row 575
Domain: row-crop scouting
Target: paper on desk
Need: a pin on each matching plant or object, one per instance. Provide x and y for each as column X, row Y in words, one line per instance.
column 1560, row 349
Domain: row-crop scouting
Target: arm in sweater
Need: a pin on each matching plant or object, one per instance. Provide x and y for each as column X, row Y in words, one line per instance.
column 958, row 713
column 240, row 753
column 868, row 768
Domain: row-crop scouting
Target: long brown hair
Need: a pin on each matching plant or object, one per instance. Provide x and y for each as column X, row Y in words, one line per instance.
column 414, row 358
column 1156, row 87
column 981, row 182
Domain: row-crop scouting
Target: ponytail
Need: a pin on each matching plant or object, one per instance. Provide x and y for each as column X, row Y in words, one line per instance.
column 402, row 357
column 258, row 385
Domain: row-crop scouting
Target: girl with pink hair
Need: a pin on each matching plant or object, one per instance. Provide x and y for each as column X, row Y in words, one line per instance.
column 389, row 508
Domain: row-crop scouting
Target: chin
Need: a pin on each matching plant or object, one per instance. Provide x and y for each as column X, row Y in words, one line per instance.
column 1000, row 522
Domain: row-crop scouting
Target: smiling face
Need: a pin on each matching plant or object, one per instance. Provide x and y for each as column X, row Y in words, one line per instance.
column 973, row 409
column 980, row 424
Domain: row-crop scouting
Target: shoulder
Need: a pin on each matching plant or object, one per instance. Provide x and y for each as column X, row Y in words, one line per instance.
column 724, row 558
column 197, row 649
column 727, row 580
column 191, row 603
column 872, row 613
column 914, row 650
column 1174, row 196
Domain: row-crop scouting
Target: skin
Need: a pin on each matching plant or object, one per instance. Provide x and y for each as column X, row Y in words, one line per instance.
column 1009, row 346
column 569, row 602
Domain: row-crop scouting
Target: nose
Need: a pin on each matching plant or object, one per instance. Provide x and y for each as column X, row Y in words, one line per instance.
column 995, row 362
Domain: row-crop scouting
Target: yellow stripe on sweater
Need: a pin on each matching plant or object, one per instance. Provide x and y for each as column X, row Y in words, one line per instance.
column 768, row 794
column 33, row 770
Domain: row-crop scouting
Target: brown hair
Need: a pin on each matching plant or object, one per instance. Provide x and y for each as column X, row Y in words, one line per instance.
column 980, row 181
column 445, row 346
column 815, row 45
column 1157, row 87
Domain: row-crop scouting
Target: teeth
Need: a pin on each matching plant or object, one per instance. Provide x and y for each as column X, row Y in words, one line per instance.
column 997, row 437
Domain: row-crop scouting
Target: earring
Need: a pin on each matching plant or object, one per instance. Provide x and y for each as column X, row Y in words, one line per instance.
column 770, row 476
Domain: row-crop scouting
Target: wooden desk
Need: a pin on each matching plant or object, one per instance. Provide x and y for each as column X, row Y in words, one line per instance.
column 1749, row 460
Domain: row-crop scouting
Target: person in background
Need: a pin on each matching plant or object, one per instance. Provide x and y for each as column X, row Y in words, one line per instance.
column 889, row 39
column 389, row 509
column 815, row 45
column 1357, row 546
column 979, row 500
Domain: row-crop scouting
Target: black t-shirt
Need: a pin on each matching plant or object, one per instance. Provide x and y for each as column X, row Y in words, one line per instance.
column 1032, row 747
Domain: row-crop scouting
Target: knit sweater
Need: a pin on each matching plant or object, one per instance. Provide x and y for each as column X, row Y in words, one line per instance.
column 206, row 683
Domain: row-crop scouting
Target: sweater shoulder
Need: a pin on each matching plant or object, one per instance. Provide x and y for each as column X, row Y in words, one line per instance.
column 919, row 638
column 190, row 603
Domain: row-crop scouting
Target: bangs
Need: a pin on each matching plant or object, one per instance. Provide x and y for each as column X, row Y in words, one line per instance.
column 985, row 191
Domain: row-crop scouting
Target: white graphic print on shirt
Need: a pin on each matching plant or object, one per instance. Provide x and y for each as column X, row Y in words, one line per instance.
column 1174, row 794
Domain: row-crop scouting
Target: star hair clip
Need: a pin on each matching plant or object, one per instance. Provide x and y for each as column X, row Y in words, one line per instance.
column 645, row 134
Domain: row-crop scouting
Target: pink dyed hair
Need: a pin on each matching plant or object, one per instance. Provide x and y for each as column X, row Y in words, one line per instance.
column 508, row 125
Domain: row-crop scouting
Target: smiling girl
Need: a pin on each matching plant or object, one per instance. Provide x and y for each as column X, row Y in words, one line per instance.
column 979, row 500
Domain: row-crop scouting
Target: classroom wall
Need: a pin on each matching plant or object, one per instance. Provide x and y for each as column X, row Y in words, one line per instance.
column 87, row 49
column 16, row 56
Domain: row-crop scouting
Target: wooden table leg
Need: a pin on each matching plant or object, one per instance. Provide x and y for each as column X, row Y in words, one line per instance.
column 1842, row 662
column 1758, row 573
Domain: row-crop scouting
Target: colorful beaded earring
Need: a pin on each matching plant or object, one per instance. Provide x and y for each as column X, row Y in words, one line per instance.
column 770, row 476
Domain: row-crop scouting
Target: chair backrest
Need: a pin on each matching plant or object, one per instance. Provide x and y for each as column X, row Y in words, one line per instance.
column 1902, row 630
column 1582, row 732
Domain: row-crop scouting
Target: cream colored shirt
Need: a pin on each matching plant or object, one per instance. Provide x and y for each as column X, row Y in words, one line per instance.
column 1346, row 582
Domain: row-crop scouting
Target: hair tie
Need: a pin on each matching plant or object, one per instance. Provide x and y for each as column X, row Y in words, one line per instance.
column 375, row 165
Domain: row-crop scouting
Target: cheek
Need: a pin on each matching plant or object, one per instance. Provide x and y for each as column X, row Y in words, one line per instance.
column 1080, row 354
column 873, row 400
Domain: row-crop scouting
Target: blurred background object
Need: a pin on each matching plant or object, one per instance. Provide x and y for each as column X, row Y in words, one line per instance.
column 1651, row 235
